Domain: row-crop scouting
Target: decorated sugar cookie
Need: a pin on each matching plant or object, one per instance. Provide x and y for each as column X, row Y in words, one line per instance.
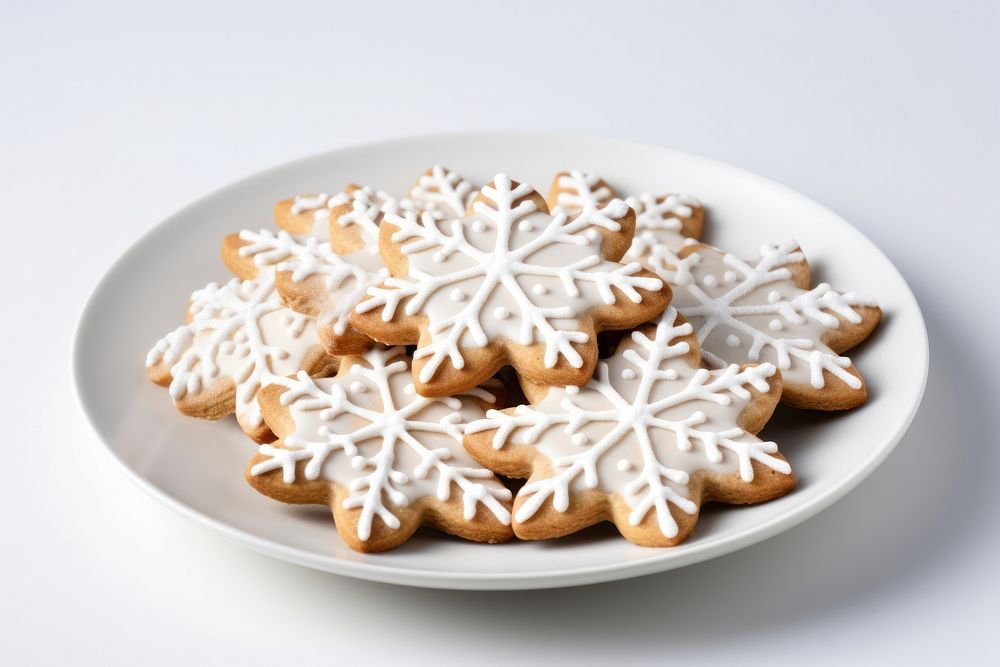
column 239, row 337
column 441, row 192
column 663, row 223
column 310, row 214
column 350, row 222
column 765, row 311
column 509, row 283
column 323, row 279
column 644, row 444
column 385, row 459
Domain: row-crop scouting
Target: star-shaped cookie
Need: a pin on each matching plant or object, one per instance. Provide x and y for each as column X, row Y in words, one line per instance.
column 383, row 458
column 508, row 283
column 644, row 444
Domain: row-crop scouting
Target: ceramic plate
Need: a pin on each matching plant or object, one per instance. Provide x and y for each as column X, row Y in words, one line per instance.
column 197, row 467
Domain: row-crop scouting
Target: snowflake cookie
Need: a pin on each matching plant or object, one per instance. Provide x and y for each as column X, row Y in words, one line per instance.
column 323, row 275
column 384, row 459
column 239, row 338
column 509, row 283
column 663, row 223
column 765, row 310
column 644, row 444
column 345, row 229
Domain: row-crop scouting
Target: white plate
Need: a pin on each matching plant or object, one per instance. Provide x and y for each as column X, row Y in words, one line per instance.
column 197, row 467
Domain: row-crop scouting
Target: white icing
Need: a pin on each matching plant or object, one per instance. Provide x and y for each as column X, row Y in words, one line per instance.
column 763, row 316
column 345, row 278
column 672, row 424
column 367, row 207
column 304, row 203
column 499, row 267
column 658, row 221
column 442, row 193
column 239, row 331
column 387, row 445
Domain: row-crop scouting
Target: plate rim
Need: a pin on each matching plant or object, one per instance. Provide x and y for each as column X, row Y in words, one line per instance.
column 574, row 576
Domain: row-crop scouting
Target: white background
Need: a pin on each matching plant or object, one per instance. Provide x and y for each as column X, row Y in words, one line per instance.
column 114, row 116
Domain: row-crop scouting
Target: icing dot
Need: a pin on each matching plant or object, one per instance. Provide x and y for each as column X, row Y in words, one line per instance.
column 479, row 226
column 358, row 387
column 501, row 313
column 729, row 276
column 775, row 325
column 624, row 465
column 579, row 439
column 525, row 226
column 628, row 374
column 592, row 234
column 456, row 295
column 438, row 257
column 539, row 289
column 572, row 390
column 773, row 296
column 732, row 341
column 710, row 281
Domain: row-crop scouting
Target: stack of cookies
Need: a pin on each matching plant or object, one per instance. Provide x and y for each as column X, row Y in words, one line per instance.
column 406, row 361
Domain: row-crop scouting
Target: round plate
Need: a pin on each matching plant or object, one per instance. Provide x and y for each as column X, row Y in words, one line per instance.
column 197, row 467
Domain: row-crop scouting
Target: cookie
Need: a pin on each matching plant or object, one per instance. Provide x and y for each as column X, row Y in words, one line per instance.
column 310, row 214
column 441, row 192
column 663, row 224
column 323, row 279
column 349, row 222
column 644, row 444
column 383, row 458
column 508, row 284
column 765, row 310
column 238, row 338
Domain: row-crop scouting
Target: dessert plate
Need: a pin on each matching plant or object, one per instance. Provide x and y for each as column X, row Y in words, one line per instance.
column 197, row 467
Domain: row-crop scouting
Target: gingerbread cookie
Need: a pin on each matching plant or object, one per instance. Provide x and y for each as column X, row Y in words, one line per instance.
column 509, row 283
column 644, row 444
column 383, row 458
column 765, row 310
column 239, row 337
column 663, row 224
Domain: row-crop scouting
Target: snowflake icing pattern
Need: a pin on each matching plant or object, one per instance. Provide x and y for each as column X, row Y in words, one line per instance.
column 345, row 278
column 357, row 205
column 663, row 224
column 452, row 278
column 238, row 330
column 749, row 312
column 440, row 192
column 642, row 428
column 361, row 422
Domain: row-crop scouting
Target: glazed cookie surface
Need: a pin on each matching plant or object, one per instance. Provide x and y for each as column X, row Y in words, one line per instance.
column 349, row 223
column 509, row 283
column 385, row 459
column 663, row 224
column 644, row 444
column 238, row 338
column 765, row 310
